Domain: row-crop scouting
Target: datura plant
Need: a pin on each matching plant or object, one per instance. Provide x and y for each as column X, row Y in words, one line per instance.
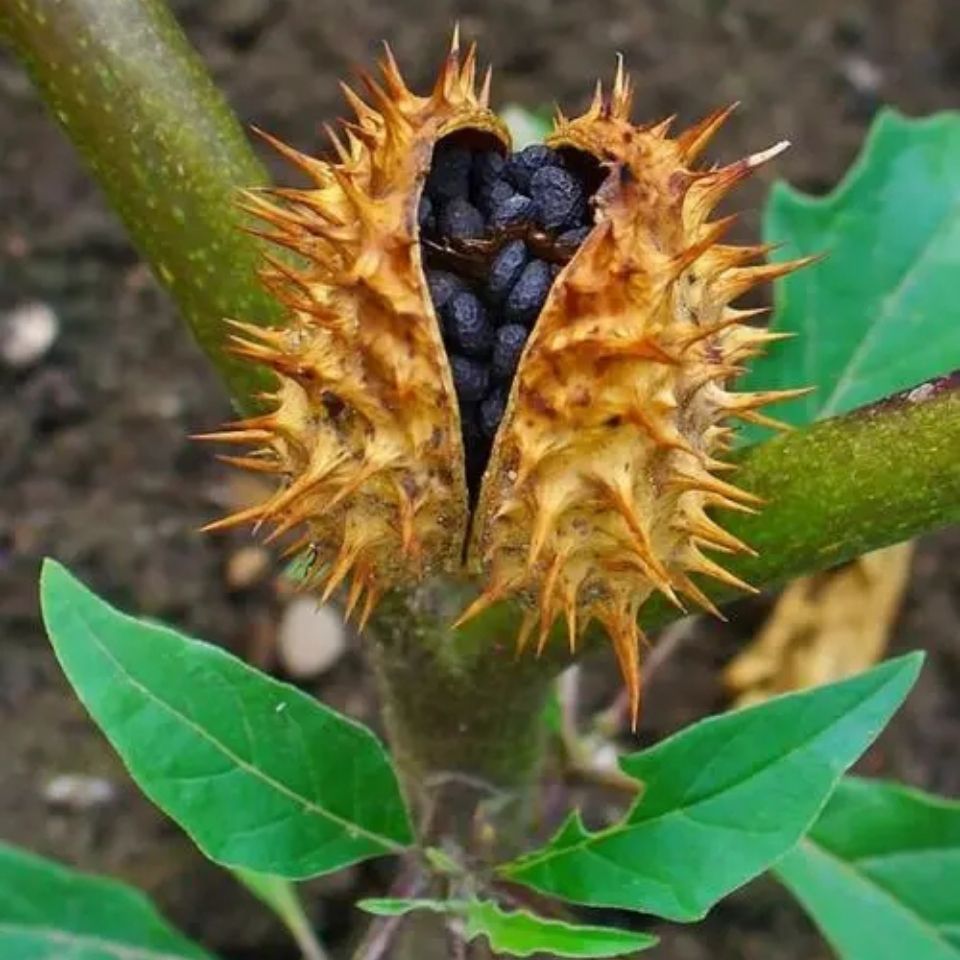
column 510, row 365
column 499, row 393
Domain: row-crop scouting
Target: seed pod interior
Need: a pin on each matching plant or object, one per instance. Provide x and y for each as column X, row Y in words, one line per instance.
column 495, row 231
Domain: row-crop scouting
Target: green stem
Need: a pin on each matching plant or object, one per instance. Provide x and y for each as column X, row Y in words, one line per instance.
column 464, row 719
column 281, row 896
column 159, row 138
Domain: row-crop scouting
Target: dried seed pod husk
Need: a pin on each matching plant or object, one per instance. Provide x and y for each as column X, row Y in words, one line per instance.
column 605, row 467
column 363, row 429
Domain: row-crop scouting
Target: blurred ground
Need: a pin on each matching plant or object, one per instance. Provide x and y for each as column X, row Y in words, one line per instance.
column 96, row 469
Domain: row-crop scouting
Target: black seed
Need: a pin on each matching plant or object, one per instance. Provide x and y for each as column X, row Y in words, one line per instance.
column 558, row 196
column 425, row 218
column 521, row 165
column 459, row 219
column 505, row 269
column 443, row 287
column 487, row 167
column 527, row 297
column 506, row 351
column 449, row 175
column 468, row 328
column 492, row 409
column 491, row 195
column 518, row 209
column 573, row 238
column 470, row 378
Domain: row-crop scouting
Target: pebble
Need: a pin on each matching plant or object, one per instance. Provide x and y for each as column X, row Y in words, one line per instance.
column 311, row 638
column 246, row 567
column 78, row 792
column 27, row 333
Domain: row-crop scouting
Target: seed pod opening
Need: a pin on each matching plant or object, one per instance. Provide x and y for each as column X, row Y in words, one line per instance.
column 511, row 364
column 495, row 231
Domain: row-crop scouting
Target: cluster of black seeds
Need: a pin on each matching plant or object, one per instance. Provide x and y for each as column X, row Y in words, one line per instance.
column 495, row 232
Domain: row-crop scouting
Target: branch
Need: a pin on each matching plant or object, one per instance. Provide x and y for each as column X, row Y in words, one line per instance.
column 162, row 143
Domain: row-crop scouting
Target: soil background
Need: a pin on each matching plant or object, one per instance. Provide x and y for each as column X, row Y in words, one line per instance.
column 96, row 468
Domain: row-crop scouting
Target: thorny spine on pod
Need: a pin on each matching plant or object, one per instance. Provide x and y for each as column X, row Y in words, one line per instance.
column 402, row 445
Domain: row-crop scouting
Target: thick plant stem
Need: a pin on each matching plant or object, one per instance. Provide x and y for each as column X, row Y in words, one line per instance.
column 464, row 719
column 159, row 138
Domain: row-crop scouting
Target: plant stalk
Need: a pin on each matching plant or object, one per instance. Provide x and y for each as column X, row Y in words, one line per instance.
column 124, row 83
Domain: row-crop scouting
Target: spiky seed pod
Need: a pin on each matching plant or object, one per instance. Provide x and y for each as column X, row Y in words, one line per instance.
column 604, row 466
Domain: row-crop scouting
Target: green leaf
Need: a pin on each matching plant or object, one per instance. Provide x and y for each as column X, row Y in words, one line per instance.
column 723, row 800
column 520, row 933
column 48, row 911
column 880, row 312
column 880, row 873
column 261, row 775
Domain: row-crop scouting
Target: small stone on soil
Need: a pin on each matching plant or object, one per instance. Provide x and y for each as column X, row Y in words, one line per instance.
column 311, row 638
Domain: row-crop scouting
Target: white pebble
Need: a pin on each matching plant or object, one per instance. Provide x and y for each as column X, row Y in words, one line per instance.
column 863, row 75
column 311, row 638
column 27, row 333
column 76, row 791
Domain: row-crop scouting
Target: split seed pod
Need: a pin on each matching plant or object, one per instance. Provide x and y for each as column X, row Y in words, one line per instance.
column 604, row 465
